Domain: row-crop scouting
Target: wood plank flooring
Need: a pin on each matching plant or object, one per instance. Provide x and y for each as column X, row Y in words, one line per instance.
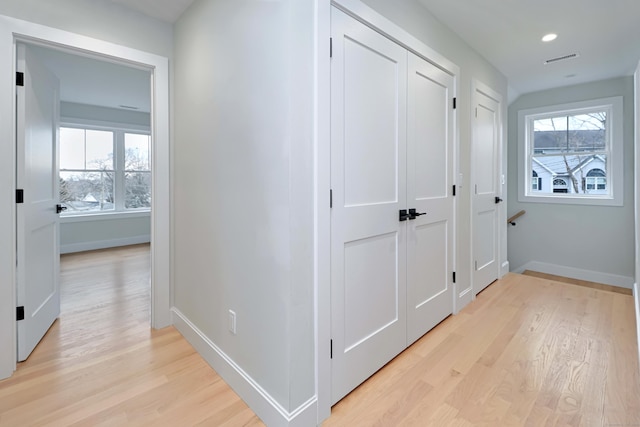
column 100, row 364
column 526, row 352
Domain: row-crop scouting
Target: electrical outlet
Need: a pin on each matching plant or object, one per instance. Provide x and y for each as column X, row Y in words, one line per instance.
column 232, row 322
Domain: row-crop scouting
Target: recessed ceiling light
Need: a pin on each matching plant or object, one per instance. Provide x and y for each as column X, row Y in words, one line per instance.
column 549, row 37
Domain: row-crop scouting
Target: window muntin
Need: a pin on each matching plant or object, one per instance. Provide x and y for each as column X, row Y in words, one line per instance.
column 104, row 170
column 567, row 142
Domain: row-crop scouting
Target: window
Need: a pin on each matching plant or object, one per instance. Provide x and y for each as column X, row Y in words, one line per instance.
column 596, row 180
column 536, row 182
column 578, row 146
column 560, row 186
column 104, row 170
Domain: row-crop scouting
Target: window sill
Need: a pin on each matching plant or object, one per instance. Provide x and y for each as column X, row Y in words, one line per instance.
column 104, row 216
column 572, row 200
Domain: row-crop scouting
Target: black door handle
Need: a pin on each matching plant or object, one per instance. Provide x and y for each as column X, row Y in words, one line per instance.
column 403, row 216
column 498, row 200
column 60, row 208
column 413, row 214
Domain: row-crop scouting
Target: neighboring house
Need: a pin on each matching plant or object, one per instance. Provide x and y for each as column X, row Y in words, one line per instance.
column 569, row 174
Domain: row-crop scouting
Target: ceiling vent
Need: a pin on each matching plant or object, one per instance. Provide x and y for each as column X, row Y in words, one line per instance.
column 561, row 58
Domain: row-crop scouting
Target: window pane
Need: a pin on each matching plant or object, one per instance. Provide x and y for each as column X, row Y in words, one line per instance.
column 86, row 191
column 571, row 173
column 587, row 132
column 138, row 190
column 575, row 133
column 99, row 150
column 71, row 148
column 137, row 150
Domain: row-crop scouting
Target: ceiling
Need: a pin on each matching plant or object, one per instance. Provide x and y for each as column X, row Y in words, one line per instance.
column 605, row 35
column 164, row 10
column 91, row 81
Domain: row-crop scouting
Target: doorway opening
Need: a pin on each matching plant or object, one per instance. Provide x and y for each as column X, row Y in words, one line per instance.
column 94, row 145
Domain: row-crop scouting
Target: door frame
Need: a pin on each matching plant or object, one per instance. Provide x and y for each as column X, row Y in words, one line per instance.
column 322, row 285
column 13, row 30
column 478, row 87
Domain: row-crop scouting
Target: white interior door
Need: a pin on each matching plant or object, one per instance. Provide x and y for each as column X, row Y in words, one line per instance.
column 38, row 260
column 430, row 192
column 368, row 172
column 486, row 195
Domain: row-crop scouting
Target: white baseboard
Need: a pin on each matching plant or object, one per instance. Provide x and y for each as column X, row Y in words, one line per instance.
column 504, row 268
column 263, row 404
column 636, row 297
column 103, row 244
column 577, row 273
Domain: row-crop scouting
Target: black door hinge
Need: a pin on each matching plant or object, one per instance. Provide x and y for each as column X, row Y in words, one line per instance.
column 454, row 189
column 20, row 313
column 455, row 103
column 20, row 196
column 454, row 277
column 330, row 198
column 331, row 349
column 19, row 78
column 330, row 47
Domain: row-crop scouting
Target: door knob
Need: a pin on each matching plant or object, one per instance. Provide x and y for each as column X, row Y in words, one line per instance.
column 403, row 216
column 413, row 214
column 60, row 208
column 498, row 200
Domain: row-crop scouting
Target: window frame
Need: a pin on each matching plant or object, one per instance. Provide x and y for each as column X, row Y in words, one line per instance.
column 119, row 193
column 615, row 148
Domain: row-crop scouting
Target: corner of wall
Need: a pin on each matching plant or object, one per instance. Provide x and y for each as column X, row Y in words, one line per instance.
column 259, row 400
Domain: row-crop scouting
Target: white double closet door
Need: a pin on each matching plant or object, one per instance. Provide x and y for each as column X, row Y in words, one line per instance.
column 391, row 151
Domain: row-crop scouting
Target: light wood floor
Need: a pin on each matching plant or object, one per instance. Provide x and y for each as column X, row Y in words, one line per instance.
column 101, row 365
column 527, row 352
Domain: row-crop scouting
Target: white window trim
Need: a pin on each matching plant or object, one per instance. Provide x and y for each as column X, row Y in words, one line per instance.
column 118, row 129
column 615, row 172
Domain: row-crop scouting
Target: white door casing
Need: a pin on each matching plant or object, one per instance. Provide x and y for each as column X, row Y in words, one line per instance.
column 368, row 143
column 486, row 194
column 430, row 149
column 38, row 225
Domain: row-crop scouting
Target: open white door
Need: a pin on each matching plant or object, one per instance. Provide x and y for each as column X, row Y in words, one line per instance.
column 486, row 186
column 38, row 257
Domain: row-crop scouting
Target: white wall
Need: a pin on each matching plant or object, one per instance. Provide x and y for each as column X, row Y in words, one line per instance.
column 89, row 233
column 101, row 19
column 636, row 288
column 415, row 19
column 576, row 240
column 243, row 180
column 82, row 113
